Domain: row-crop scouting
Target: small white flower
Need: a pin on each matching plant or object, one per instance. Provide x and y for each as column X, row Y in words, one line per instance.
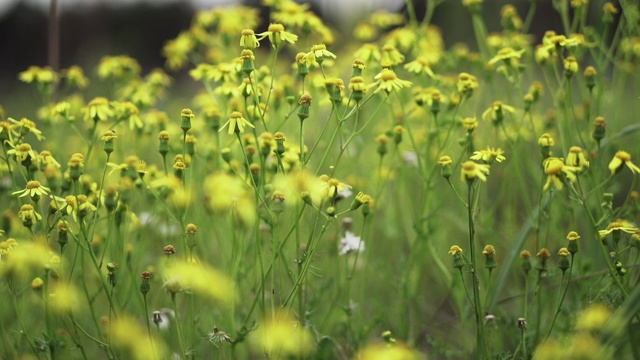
column 345, row 193
column 351, row 243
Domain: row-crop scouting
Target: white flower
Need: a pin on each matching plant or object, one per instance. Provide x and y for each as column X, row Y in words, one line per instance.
column 351, row 243
column 345, row 193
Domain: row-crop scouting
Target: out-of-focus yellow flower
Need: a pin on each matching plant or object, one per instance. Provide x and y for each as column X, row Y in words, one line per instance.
column 98, row 109
column 384, row 19
column 508, row 55
column 133, row 341
column 249, row 40
column 281, row 337
column 202, row 279
column 622, row 158
column 320, row 52
column 24, row 127
column 228, row 193
column 177, row 50
column 495, row 112
column 393, row 351
column 471, row 171
column 298, row 184
column 419, row 66
column 489, row 155
column 118, row 67
column 466, row 84
column 391, row 56
column 75, row 77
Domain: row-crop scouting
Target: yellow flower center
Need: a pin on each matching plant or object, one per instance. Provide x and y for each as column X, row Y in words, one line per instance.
column 235, row 115
column 247, row 32
column 623, row 155
column 276, row 28
column 23, row 147
column 554, row 167
column 34, row 184
column 388, row 75
column 575, row 150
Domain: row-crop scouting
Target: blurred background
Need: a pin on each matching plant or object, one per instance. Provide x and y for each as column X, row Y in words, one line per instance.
column 90, row 29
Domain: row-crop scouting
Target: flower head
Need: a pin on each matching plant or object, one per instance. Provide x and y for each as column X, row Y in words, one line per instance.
column 236, row 123
column 576, row 158
column 98, row 109
column 472, row 170
column 508, row 55
column 388, row 81
column 277, row 35
column 622, row 158
column 455, row 250
column 558, row 173
column 489, row 155
column 34, row 188
column 248, row 40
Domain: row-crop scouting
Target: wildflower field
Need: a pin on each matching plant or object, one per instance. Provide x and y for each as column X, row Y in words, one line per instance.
column 370, row 195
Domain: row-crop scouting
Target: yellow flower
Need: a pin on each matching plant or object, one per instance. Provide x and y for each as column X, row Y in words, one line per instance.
column 388, row 81
column 98, row 109
column 23, row 153
column 489, row 155
column 466, row 84
column 420, row 65
column 6, row 247
column 495, row 113
column 445, row 160
column 564, row 252
column 489, row 250
column 277, row 35
column 391, row 56
column 576, row 158
column 118, row 67
column 28, row 214
column 177, row 50
column 618, row 225
column 320, row 51
column 545, row 140
column 34, row 188
column 248, row 40
column 622, row 158
column 558, row 173
column 508, row 55
column 25, row 126
column 455, row 250
column 368, row 53
column 75, row 77
column 573, row 236
column 472, row 170
column 236, row 123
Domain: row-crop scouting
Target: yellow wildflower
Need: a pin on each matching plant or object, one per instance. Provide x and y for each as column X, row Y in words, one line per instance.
column 622, row 158
column 248, row 40
column 618, row 225
column 98, row 109
column 471, row 171
column 277, row 35
column 319, row 52
column 388, row 81
column 558, row 173
column 33, row 188
column 508, row 55
column 236, row 123
column 455, row 250
column 576, row 158
column 419, row 66
column 495, row 112
column 489, row 155
column 24, row 127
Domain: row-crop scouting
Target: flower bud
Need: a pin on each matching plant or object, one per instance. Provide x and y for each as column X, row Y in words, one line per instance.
column 144, row 285
column 563, row 263
column 186, row 115
column 526, row 261
column 599, row 129
column 489, row 253
column 303, row 110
